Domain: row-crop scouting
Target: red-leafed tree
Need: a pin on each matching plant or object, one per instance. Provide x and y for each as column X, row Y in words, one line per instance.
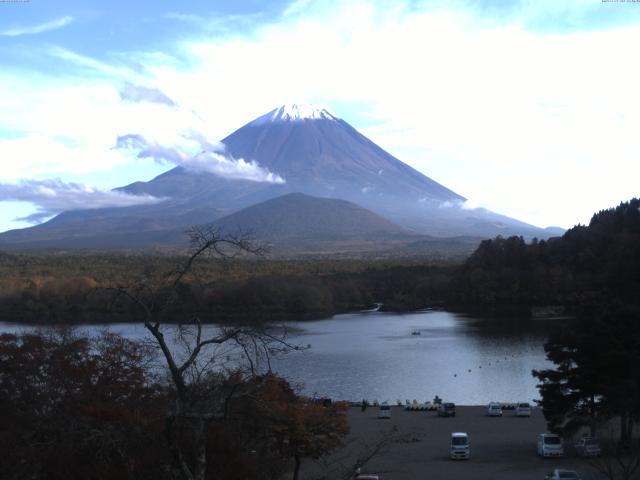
column 269, row 429
column 72, row 406
column 303, row 428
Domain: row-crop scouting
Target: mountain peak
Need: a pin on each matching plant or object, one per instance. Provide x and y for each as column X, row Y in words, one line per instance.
column 295, row 112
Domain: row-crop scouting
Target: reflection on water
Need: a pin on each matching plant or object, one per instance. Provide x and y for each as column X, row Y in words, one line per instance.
column 462, row 359
column 374, row 355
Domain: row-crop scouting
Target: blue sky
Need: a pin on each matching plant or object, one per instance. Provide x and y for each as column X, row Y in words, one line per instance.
column 529, row 108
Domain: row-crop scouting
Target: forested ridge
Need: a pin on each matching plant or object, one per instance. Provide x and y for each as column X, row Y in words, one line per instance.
column 598, row 260
column 511, row 274
column 74, row 289
column 595, row 378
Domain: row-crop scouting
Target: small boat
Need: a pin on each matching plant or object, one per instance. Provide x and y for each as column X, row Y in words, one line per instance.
column 415, row 332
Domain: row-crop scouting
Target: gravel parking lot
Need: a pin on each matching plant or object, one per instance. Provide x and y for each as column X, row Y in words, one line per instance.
column 501, row 447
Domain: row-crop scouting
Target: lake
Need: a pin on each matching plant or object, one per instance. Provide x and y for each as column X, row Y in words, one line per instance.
column 380, row 356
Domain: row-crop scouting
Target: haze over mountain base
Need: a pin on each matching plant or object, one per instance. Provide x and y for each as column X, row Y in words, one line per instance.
column 301, row 150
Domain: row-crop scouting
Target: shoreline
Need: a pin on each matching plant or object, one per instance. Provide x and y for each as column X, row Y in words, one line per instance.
column 497, row 312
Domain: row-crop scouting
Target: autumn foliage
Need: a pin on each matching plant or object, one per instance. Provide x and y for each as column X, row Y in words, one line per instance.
column 54, row 289
column 78, row 407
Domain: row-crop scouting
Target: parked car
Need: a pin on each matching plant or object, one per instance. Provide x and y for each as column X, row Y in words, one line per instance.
column 550, row 445
column 523, row 410
column 447, row 409
column 588, row 447
column 384, row 411
column 494, row 410
column 366, row 476
column 561, row 474
column 459, row 446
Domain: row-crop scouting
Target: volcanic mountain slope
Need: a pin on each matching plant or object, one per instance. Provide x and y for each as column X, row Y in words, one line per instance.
column 296, row 215
column 316, row 153
column 297, row 225
column 322, row 155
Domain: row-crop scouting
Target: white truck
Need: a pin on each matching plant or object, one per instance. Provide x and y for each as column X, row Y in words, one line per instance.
column 459, row 446
column 550, row 445
column 494, row 410
column 384, row 411
column 523, row 409
column 588, row 447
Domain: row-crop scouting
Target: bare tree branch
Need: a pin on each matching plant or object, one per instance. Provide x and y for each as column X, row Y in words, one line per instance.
column 198, row 397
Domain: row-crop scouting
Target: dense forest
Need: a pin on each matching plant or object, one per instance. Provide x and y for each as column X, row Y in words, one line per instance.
column 75, row 289
column 503, row 274
column 601, row 260
column 595, row 380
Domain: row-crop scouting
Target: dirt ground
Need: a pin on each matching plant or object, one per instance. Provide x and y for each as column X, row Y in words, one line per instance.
column 501, row 447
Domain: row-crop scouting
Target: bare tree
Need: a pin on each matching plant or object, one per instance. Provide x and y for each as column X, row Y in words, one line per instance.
column 195, row 358
column 617, row 461
column 357, row 454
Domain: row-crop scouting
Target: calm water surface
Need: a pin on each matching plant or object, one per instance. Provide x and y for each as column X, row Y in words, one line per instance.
column 374, row 355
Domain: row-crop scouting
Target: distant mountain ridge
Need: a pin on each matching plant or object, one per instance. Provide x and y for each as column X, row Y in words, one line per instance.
column 296, row 225
column 317, row 153
column 296, row 215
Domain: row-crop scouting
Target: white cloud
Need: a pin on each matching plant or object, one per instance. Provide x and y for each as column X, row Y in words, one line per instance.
column 184, row 17
column 57, row 126
column 40, row 28
column 40, row 155
column 139, row 93
column 296, row 7
column 54, row 196
column 537, row 126
column 469, row 205
column 529, row 125
column 457, row 204
column 198, row 154
column 113, row 71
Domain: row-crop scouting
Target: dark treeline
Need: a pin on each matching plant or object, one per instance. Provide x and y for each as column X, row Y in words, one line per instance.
column 595, row 379
column 74, row 289
column 503, row 274
column 584, row 265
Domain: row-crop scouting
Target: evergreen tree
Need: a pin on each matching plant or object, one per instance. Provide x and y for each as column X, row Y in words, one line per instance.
column 596, row 376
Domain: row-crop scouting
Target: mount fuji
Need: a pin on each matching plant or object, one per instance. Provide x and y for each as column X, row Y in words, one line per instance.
column 315, row 153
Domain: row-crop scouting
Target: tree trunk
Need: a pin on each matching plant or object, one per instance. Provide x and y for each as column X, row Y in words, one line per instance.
column 296, row 470
column 200, row 467
column 174, row 448
column 593, row 420
column 197, row 431
column 624, row 429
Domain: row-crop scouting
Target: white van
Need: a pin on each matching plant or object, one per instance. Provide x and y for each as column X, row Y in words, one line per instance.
column 550, row 445
column 494, row 410
column 523, row 410
column 384, row 411
column 459, row 446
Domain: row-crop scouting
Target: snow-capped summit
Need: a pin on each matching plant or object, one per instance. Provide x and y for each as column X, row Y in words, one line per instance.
column 319, row 155
column 294, row 112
